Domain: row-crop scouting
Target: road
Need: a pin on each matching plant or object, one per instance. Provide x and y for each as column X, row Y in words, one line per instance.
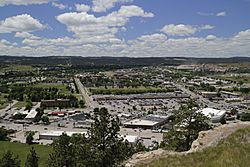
column 89, row 102
column 199, row 98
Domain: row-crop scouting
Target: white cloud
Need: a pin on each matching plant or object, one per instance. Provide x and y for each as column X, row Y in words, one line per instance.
column 179, row 30
column 221, row 14
column 20, row 23
column 59, row 5
column 206, row 27
column 23, row 2
column 26, row 35
column 184, row 30
column 211, row 38
column 104, row 5
column 88, row 26
column 82, row 7
column 156, row 45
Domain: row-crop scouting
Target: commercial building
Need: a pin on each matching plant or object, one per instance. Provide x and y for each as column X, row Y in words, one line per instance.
column 52, row 135
column 215, row 115
column 147, row 122
column 31, row 115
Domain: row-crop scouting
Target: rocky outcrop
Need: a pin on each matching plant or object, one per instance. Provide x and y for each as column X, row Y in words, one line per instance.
column 206, row 139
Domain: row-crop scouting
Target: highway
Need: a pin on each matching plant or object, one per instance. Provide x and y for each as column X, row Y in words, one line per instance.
column 89, row 102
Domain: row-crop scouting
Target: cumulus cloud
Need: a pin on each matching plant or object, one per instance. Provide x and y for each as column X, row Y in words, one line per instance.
column 20, row 23
column 179, row 30
column 82, row 7
column 221, row 14
column 184, row 30
column 23, row 2
column 102, row 28
column 59, row 5
column 206, row 27
column 104, row 5
column 156, row 45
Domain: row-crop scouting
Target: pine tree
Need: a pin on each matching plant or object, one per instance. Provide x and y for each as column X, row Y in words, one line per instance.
column 8, row 160
column 32, row 159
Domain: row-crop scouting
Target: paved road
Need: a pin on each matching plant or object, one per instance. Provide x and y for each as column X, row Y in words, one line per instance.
column 89, row 102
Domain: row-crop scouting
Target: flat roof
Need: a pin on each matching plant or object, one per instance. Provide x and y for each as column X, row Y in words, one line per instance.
column 211, row 112
column 32, row 114
column 59, row 133
column 141, row 122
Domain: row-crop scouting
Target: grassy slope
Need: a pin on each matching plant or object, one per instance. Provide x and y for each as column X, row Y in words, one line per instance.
column 23, row 149
column 231, row 152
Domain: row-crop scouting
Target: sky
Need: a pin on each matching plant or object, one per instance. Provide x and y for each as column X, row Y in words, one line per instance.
column 125, row 28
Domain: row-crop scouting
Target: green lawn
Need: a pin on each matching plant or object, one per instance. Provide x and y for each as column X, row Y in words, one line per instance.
column 62, row 87
column 23, row 149
column 17, row 68
column 231, row 152
column 20, row 104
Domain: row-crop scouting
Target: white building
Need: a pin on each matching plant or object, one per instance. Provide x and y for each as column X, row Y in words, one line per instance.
column 31, row 115
column 215, row 115
column 51, row 135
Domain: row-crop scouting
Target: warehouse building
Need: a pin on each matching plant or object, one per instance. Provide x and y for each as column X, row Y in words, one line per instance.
column 52, row 135
column 215, row 115
column 147, row 122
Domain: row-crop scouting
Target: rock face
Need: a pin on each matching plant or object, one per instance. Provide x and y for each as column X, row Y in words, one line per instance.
column 206, row 139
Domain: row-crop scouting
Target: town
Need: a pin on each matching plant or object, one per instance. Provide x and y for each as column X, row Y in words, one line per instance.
column 50, row 101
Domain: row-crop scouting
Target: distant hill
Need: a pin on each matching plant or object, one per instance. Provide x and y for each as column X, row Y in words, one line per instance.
column 115, row 61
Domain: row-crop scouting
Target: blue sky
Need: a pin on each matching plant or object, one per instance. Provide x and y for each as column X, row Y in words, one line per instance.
column 136, row 28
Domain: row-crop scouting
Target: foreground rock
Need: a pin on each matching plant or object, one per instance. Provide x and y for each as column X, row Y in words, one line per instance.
column 206, row 139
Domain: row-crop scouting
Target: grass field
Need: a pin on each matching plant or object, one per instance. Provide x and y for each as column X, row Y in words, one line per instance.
column 233, row 151
column 62, row 87
column 20, row 104
column 23, row 149
column 17, row 68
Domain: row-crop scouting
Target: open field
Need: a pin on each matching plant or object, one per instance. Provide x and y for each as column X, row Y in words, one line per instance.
column 17, row 68
column 23, row 149
column 20, row 104
column 62, row 87
column 232, row 151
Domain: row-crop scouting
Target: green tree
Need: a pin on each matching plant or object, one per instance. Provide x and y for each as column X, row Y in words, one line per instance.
column 45, row 119
column 32, row 159
column 3, row 134
column 8, row 160
column 29, row 105
column 108, row 146
column 103, row 146
column 187, row 125
column 29, row 137
column 63, row 153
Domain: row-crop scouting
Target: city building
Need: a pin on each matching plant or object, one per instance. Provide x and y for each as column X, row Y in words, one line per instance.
column 147, row 122
column 215, row 115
